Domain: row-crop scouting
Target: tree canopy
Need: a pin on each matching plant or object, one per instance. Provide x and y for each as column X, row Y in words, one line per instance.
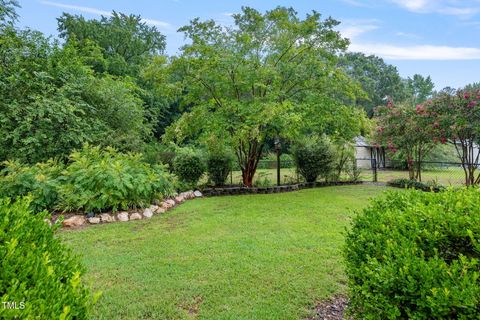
column 378, row 79
column 271, row 74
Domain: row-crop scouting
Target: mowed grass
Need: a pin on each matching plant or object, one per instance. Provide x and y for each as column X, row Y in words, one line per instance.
column 240, row 257
column 451, row 176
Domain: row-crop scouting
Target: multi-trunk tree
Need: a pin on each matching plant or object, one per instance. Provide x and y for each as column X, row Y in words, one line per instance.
column 270, row 74
column 459, row 117
column 413, row 131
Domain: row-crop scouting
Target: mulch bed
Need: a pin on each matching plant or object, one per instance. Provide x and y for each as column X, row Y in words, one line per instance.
column 331, row 309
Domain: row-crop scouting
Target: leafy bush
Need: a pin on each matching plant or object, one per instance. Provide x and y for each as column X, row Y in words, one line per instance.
column 344, row 163
column 37, row 271
column 40, row 181
column 156, row 153
column 189, row 166
column 219, row 166
column 416, row 255
column 314, row 157
column 99, row 179
column 407, row 183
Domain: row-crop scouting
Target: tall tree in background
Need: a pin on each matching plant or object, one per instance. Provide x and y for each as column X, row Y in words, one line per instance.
column 8, row 14
column 126, row 41
column 419, row 88
column 124, row 45
column 377, row 78
column 272, row 74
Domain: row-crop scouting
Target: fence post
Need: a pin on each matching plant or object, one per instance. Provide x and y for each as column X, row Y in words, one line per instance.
column 231, row 176
column 374, row 168
column 278, row 168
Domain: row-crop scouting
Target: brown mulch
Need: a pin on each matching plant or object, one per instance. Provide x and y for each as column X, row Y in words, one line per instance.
column 331, row 309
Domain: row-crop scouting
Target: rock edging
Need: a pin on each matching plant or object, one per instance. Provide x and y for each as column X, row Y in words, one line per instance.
column 160, row 207
column 228, row 191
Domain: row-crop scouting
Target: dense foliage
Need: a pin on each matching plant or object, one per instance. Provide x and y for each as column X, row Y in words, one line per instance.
column 219, row 166
column 245, row 90
column 458, row 114
column 377, row 78
column 411, row 131
column 415, row 255
column 40, row 181
column 95, row 179
column 99, row 179
column 52, row 102
column 314, row 157
column 37, row 271
column 189, row 166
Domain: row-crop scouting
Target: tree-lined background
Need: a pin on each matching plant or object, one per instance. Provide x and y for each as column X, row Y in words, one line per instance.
column 272, row 77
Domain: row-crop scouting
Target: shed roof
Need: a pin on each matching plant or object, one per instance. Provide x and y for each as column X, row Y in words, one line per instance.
column 360, row 141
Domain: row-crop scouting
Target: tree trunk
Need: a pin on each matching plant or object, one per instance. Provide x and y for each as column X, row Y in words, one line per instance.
column 248, row 155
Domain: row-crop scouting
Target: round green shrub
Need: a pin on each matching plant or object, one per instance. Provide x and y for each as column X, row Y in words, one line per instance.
column 37, row 272
column 314, row 157
column 189, row 166
column 415, row 255
column 219, row 166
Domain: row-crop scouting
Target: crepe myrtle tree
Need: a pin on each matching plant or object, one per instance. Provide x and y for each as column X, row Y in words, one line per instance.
column 459, row 116
column 269, row 74
column 413, row 131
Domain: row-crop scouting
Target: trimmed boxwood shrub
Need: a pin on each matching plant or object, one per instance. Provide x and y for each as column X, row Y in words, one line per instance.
column 37, row 271
column 189, row 166
column 314, row 157
column 219, row 166
column 415, row 255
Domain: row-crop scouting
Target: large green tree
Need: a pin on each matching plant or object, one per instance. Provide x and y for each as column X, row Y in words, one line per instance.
column 52, row 102
column 377, row 78
column 126, row 41
column 124, row 46
column 419, row 88
column 271, row 74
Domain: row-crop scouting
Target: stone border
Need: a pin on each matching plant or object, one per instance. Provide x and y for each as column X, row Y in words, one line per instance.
column 79, row 220
column 228, row 191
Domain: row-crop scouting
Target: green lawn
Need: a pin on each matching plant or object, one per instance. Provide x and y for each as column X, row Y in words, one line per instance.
column 241, row 257
column 451, row 176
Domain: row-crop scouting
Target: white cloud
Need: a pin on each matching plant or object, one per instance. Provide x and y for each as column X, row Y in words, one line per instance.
column 158, row 23
column 351, row 28
column 413, row 5
column 407, row 35
column 356, row 3
column 77, row 8
column 445, row 7
column 420, row 52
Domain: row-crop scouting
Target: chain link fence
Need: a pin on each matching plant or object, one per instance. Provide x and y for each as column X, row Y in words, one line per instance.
column 366, row 170
column 433, row 172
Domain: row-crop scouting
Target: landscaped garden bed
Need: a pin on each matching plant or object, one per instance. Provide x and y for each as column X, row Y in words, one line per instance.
column 237, row 190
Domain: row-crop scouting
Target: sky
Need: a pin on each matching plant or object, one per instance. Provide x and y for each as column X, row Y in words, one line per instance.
column 439, row 38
